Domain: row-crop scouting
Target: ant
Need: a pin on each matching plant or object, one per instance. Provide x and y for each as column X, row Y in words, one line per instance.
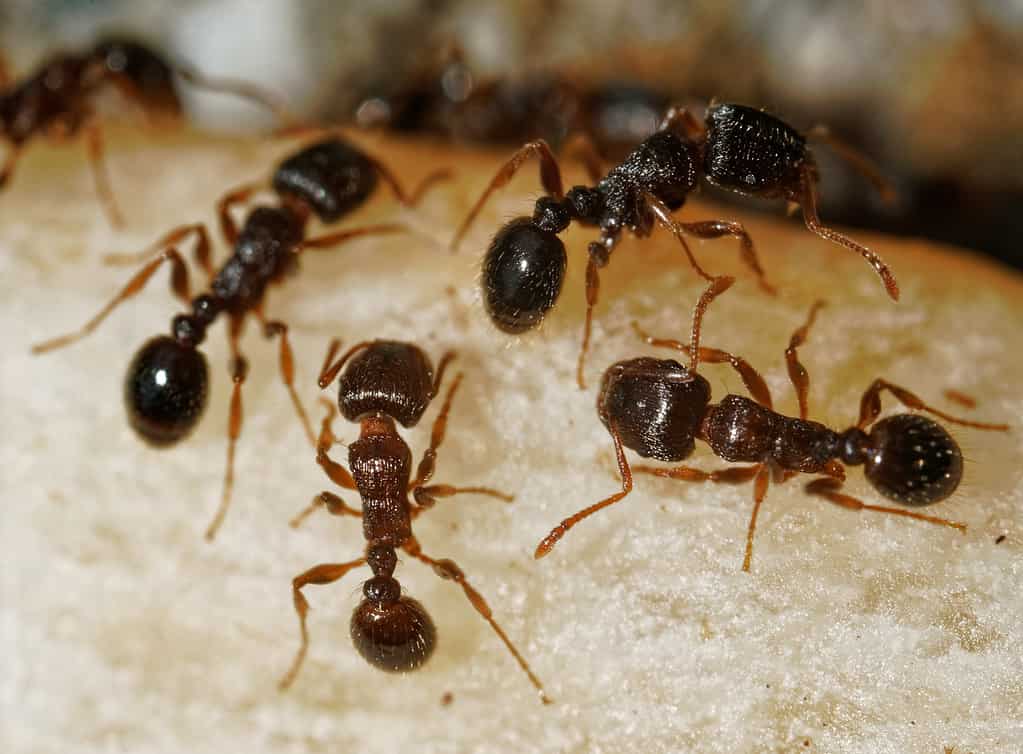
column 659, row 408
column 738, row 148
column 56, row 100
column 165, row 388
column 385, row 382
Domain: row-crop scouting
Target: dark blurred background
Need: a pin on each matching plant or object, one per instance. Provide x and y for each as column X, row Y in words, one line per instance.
column 931, row 90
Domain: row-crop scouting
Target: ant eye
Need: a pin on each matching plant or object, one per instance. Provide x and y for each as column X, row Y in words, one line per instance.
column 913, row 459
column 522, row 275
column 397, row 637
column 165, row 390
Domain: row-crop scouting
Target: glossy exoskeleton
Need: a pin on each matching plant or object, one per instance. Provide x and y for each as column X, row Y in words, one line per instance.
column 56, row 100
column 738, row 148
column 166, row 385
column 659, row 408
column 387, row 382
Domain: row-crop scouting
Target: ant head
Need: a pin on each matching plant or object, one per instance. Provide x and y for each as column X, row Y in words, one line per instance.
column 392, row 632
column 165, row 390
column 523, row 271
column 656, row 406
column 387, row 377
column 330, row 176
column 751, row 152
column 149, row 74
column 912, row 459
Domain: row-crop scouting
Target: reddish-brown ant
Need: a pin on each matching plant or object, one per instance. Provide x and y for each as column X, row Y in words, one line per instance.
column 165, row 388
column 659, row 408
column 739, row 148
column 387, row 382
column 56, row 100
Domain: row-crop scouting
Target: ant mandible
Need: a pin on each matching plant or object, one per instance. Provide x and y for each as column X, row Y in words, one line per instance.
column 386, row 382
column 165, row 389
column 739, row 148
column 56, row 100
column 659, row 408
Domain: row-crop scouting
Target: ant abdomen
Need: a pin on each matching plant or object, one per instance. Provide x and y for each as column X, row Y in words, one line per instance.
column 913, row 460
column 523, row 271
column 752, row 152
column 331, row 177
column 388, row 377
column 656, row 406
column 390, row 631
column 165, row 390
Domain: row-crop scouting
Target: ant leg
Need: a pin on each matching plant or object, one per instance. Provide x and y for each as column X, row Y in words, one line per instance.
column 710, row 229
column 426, row 497
column 828, row 488
column 870, row 407
column 13, row 153
column 759, row 493
column 750, row 377
column 682, row 122
column 201, row 250
column 797, row 372
column 238, row 88
column 335, row 471
column 179, row 284
column 429, row 181
column 335, row 506
column 442, row 367
column 807, row 199
column 550, row 178
column 240, row 195
column 239, row 371
column 663, row 216
column 548, row 542
column 448, row 569
column 330, row 370
column 326, row 573
column 860, row 162
column 287, row 368
column 440, row 425
column 581, row 147
column 94, row 137
column 336, row 239
column 964, row 400
column 727, row 475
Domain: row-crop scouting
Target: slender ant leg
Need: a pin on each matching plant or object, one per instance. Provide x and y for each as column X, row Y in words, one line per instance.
column 870, row 407
column 179, row 284
column 287, row 369
column 550, row 179
column 548, row 542
column 201, row 249
column 448, row 569
column 326, row 573
column 101, row 178
column 828, row 489
column 239, row 371
column 797, row 372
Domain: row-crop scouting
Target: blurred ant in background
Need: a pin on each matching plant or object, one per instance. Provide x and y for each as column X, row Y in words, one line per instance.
column 57, row 100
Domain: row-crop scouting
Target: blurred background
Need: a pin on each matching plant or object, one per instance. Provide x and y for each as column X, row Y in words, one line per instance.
column 932, row 90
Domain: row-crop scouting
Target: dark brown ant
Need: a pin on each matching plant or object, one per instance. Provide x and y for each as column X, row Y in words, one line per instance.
column 659, row 408
column 386, row 382
column 739, row 148
column 165, row 389
column 56, row 100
